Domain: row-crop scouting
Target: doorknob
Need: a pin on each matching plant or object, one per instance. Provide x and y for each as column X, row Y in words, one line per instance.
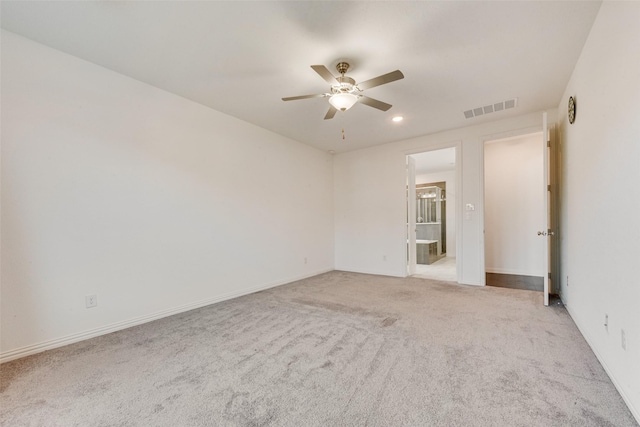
column 542, row 233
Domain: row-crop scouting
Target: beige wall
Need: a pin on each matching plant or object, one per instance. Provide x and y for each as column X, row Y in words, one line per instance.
column 370, row 201
column 152, row 202
column 600, row 202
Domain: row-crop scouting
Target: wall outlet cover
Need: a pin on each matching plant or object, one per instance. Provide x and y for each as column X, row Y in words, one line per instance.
column 91, row 301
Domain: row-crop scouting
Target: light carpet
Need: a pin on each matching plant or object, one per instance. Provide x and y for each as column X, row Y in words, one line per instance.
column 338, row 349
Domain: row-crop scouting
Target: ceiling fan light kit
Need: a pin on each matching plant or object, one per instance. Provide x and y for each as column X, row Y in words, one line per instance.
column 344, row 92
column 343, row 101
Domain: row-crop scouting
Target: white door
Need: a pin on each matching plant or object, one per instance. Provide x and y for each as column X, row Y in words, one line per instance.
column 546, row 232
column 411, row 216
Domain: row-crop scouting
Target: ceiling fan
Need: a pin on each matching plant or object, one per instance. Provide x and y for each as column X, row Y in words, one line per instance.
column 345, row 92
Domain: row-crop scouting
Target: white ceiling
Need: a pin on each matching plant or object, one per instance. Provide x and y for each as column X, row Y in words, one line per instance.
column 241, row 58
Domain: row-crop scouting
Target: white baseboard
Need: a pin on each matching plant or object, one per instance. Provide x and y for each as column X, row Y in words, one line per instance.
column 374, row 272
column 634, row 410
column 103, row 330
column 470, row 283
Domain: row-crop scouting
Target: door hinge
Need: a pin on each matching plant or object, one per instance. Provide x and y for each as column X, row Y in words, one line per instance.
column 548, row 187
column 549, row 275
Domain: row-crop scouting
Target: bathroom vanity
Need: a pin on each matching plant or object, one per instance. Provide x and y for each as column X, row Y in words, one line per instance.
column 427, row 251
column 430, row 222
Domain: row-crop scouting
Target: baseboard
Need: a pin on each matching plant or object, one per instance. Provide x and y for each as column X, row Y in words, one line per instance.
column 376, row 273
column 634, row 410
column 470, row 283
column 103, row 330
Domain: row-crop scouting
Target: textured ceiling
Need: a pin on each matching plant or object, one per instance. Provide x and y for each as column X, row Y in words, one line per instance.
column 241, row 58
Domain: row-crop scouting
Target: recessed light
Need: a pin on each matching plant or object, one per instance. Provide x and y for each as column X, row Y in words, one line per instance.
column 398, row 119
column 332, row 152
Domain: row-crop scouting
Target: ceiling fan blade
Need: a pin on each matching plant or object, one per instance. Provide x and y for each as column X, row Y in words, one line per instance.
column 332, row 112
column 380, row 80
column 293, row 98
column 325, row 74
column 374, row 103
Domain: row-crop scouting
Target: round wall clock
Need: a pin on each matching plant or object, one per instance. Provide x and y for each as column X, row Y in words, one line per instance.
column 572, row 109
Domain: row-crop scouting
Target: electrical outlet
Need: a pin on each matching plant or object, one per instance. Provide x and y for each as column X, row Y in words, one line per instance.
column 384, row 257
column 606, row 322
column 623, row 339
column 567, row 281
column 91, row 301
column 305, row 260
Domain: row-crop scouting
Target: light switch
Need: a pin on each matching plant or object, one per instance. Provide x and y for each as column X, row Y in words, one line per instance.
column 471, row 207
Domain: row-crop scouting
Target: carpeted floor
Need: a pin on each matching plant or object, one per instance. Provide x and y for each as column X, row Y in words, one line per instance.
column 339, row 349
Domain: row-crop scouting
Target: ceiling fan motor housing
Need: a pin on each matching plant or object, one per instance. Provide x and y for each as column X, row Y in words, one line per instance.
column 342, row 67
column 345, row 85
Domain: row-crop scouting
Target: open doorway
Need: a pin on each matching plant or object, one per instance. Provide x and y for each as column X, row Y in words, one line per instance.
column 433, row 215
column 513, row 182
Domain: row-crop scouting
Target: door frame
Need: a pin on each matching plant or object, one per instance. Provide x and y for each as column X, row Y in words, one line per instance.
column 458, row 200
column 412, row 249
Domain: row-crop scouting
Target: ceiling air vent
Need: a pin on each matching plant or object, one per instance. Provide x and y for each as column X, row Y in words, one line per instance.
column 492, row 108
column 509, row 104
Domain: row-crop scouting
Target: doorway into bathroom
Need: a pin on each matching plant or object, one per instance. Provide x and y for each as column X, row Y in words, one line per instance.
column 432, row 254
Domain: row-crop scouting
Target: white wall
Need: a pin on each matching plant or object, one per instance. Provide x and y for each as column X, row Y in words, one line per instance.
column 152, row 202
column 449, row 178
column 369, row 201
column 514, row 206
column 600, row 226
